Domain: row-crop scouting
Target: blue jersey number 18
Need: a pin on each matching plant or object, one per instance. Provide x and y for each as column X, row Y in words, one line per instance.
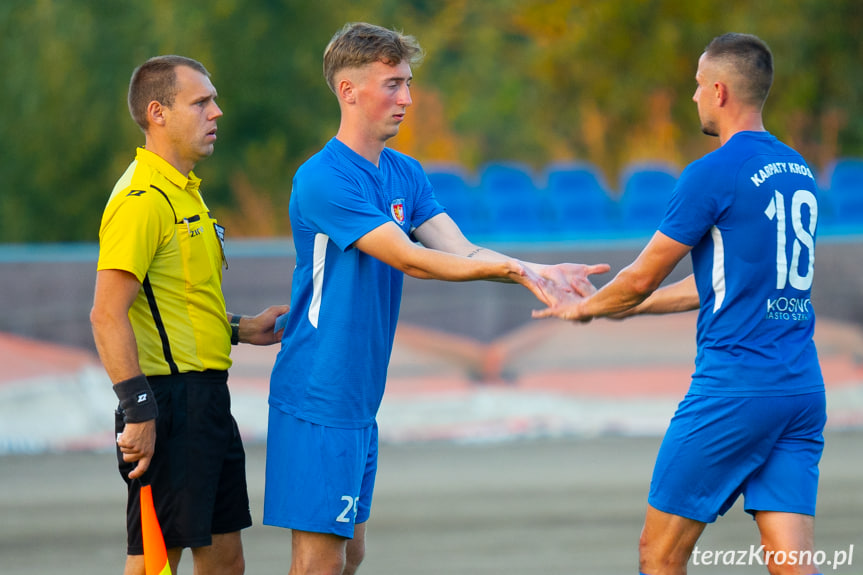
column 803, row 238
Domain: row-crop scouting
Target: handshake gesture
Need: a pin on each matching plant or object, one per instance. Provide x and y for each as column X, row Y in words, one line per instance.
column 559, row 286
column 636, row 289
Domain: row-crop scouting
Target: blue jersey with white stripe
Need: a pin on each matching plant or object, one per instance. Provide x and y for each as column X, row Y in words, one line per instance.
column 749, row 210
column 332, row 365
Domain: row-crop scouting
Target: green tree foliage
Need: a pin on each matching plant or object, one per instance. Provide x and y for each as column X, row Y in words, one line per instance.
column 611, row 81
column 66, row 134
column 531, row 80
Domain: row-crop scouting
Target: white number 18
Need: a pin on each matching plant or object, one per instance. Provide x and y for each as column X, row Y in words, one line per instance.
column 804, row 238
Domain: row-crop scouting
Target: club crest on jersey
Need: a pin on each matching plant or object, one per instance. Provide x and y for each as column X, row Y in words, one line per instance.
column 397, row 208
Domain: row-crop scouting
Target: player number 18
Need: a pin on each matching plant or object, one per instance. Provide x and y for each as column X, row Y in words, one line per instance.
column 803, row 238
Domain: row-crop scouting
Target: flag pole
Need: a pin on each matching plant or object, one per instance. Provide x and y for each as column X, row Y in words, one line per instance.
column 155, row 553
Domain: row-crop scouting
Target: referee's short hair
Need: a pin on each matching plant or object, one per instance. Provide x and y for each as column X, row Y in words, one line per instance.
column 156, row 79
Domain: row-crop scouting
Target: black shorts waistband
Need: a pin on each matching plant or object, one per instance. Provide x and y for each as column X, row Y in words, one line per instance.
column 210, row 376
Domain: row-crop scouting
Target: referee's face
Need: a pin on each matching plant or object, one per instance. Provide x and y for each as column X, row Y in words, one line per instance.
column 191, row 120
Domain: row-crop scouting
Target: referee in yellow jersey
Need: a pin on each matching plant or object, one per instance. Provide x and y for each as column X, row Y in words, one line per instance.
column 162, row 331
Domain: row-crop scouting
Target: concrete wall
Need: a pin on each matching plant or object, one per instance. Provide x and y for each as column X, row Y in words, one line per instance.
column 47, row 292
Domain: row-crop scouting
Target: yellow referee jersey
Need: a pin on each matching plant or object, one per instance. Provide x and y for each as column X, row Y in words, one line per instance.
column 157, row 227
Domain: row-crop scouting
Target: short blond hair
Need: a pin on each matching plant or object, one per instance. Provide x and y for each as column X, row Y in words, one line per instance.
column 358, row 44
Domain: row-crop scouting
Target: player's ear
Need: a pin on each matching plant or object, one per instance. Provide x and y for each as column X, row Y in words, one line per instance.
column 721, row 93
column 346, row 91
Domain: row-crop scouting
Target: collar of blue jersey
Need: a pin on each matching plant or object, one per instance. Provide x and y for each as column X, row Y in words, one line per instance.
column 358, row 160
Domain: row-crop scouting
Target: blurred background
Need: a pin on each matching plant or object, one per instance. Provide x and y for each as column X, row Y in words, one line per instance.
column 530, row 81
column 551, row 130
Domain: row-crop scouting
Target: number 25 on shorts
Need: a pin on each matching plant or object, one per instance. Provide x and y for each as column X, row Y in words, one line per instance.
column 350, row 505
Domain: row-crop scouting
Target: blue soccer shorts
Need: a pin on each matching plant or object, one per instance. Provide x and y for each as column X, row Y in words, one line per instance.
column 718, row 448
column 318, row 478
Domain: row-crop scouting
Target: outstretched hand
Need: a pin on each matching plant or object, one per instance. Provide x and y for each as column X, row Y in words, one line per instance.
column 521, row 273
column 572, row 310
column 557, row 285
column 569, row 283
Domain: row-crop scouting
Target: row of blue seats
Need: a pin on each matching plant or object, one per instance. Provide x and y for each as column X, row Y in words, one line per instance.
column 506, row 200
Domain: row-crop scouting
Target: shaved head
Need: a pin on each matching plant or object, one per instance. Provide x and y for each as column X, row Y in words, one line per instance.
column 744, row 62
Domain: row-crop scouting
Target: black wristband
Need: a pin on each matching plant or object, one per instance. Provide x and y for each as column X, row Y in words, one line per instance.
column 235, row 329
column 136, row 399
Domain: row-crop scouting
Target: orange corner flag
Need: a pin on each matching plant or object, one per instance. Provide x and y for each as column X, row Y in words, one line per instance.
column 155, row 554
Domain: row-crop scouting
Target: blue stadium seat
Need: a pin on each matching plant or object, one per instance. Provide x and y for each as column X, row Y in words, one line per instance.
column 518, row 209
column 464, row 204
column 844, row 198
column 580, row 199
column 506, row 178
column 646, row 189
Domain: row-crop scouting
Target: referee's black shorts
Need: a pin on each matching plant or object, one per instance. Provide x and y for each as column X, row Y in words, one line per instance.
column 198, row 471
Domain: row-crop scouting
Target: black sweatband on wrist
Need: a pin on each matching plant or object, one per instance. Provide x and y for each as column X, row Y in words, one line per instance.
column 136, row 399
column 235, row 329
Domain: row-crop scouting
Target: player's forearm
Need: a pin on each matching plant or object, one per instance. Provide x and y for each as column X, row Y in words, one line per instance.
column 451, row 258
column 479, row 253
column 433, row 264
column 678, row 297
column 467, row 249
column 626, row 291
